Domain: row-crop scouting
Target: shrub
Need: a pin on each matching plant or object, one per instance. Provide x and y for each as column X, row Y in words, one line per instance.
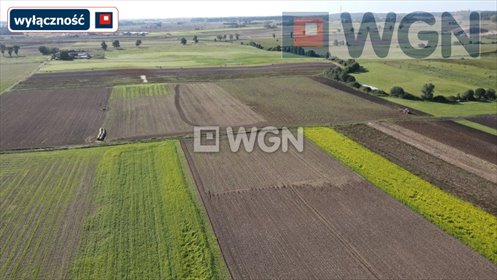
column 397, row 92
column 491, row 94
column 440, row 99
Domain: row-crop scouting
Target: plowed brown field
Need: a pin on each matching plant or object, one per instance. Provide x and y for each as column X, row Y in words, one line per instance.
column 470, row 163
column 466, row 139
column 47, row 118
column 450, row 178
column 338, row 225
column 209, row 104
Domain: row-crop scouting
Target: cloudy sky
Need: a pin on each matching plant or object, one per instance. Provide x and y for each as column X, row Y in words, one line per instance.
column 129, row 9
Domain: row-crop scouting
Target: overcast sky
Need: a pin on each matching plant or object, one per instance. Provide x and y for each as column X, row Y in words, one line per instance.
column 129, row 9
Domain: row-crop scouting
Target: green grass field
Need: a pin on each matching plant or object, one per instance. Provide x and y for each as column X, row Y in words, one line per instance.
column 44, row 198
column 132, row 91
column 462, row 109
column 449, row 78
column 171, row 54
column 147, row 224
column 14, row 69
column 128, row 211
column 470, row 224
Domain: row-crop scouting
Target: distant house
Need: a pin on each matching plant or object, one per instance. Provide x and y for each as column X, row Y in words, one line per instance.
column 71, row 55
column 371, row 87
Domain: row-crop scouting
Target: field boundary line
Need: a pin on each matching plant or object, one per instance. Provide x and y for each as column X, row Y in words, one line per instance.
column 445, row 152
column 201, row 191
column 177, row 104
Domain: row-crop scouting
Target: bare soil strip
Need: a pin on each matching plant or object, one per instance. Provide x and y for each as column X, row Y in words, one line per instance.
column 447, row 153
column 48, row 118
column 227, row 172
column 101, row 78
column 144, row 117
column 369, row 97
column 448, row 177
column 464, row 138
column 488, row 120
column 344, row 228
column 209, row 104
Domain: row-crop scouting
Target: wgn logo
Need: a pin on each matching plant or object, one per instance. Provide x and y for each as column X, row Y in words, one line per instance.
column 268, row 139
column 415, row 35
column 63, row 20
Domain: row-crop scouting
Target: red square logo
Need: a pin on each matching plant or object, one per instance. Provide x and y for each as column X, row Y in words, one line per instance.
column 105, row 18
column 308, row 32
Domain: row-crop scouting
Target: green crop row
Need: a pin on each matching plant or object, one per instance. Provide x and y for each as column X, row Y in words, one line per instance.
column 130, row 91
column 473, row 226
column 147, row 224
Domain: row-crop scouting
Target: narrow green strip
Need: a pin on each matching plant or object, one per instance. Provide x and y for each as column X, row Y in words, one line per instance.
column 478, row 126
column 473, row 226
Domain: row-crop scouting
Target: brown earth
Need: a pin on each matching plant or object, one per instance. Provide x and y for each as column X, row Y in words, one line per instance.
column 488, row 120
column 101, row 78
column 144, row 117
column 47, row 118
column 369, row 97
column 466, row 139
column 445, row 152
column 448, row 177
column 302, row 101
column 344, row 228
column 227, row 172
column 208, row 104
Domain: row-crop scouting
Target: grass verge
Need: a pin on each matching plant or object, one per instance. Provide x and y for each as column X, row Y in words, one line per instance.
column 473, row 226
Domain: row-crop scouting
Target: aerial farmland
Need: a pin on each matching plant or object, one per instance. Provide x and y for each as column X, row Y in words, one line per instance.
column 157, row 151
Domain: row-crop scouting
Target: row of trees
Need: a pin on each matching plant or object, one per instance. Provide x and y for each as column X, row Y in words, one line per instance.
column 116, row 44
column 10, row 49
column 428, row 94
column 225, row 37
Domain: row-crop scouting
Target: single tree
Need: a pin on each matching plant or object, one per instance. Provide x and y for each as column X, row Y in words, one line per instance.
column 468, row 95
column 138, row 42
column 103, row 45
column 16, row 49
column 491, row 94
column 183, row 41
column 274, row 36
column 44, row 50
column 195, row 39
column 237, row 36
column 219, row 37
column 231, row 37
column 2, row 49
column 224, row 36
column 116, row 44
column 427, row 91
column 480, row 94
column 10, row 50
column 327, row 55
column 397, row 92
